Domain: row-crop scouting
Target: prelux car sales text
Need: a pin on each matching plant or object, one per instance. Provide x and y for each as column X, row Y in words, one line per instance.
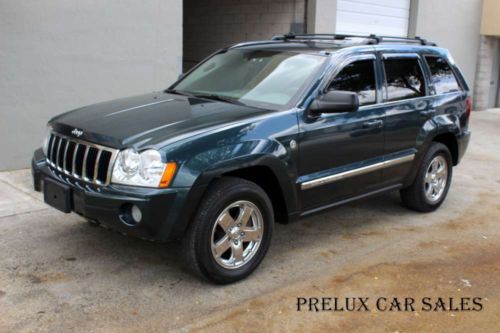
column 389, row 304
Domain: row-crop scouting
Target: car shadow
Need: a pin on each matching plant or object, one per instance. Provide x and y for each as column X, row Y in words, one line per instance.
column 98, row 247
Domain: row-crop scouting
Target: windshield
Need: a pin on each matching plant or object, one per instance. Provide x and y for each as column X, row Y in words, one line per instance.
column 260, row 78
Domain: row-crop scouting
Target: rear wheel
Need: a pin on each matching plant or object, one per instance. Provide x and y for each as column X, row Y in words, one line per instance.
column 231, row 231
column 433, row 180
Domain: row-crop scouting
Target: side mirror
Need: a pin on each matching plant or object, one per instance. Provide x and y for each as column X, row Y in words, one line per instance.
column 335, row 101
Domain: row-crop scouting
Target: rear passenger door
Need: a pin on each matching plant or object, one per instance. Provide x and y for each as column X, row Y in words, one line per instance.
column 407, row 107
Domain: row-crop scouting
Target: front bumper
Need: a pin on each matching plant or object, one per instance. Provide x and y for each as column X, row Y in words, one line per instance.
column 161, row 208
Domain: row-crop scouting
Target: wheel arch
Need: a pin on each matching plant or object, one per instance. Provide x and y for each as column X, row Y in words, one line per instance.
column 450, row 141
column 268, row 172
column 272, row 174
column 444, row 135
column 264, row 177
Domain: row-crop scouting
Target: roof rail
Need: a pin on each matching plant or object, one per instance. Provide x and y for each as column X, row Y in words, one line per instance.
column 371, row 39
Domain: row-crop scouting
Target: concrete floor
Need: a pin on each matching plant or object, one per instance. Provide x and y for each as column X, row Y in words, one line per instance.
column 58, row 274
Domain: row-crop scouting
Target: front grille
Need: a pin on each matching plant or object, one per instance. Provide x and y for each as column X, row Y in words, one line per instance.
column 80, row 159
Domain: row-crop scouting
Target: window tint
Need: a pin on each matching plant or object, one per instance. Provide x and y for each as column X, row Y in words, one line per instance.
column 443, row 79
column 358, row 77
column 404, row 79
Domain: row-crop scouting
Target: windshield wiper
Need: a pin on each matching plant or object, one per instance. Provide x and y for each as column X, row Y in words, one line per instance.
column 177, row 92
column 219, row 98
column 207, row 96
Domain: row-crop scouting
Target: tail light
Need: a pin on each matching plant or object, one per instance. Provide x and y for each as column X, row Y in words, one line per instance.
column 468, row 106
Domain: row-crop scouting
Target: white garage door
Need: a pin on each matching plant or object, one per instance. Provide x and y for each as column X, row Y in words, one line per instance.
column 382, row 17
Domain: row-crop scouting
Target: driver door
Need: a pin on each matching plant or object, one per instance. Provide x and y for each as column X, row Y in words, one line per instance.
column 339, row 152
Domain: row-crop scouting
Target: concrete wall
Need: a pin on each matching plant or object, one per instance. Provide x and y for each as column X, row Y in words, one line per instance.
column 57, row 55
column 321, row 16
column 453, row 24
column 487, row 75
column 212, row 24
column 487, row 85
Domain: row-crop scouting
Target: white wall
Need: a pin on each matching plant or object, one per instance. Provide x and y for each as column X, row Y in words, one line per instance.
column 381, row 17
column 57, row 55
column 212, row 24
column 455, row 25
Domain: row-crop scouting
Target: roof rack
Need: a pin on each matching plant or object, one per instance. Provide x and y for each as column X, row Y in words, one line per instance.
column 371, row 39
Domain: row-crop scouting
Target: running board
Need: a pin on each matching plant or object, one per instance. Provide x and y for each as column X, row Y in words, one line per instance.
column 358, row 197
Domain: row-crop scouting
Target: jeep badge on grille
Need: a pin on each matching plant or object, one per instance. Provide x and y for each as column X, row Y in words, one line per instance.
column 76, row 132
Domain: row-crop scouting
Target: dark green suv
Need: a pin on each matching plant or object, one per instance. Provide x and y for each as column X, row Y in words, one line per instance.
column 259, row 133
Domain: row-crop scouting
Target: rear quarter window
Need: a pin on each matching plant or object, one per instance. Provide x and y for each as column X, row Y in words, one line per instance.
column 442, row 77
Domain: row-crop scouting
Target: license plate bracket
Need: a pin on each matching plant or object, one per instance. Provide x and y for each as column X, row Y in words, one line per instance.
column 57, row 195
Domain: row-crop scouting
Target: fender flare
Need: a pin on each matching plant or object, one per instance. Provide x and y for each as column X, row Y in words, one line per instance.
column 274, row 164
column 430, row 131
column 204, row 179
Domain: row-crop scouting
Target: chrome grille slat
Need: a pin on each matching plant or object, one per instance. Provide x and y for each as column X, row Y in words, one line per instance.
column 53, row 153
column 51, row 145
column 70, row 156
column 56, row 162
column 64, row 157
column 96, row 166
column 84, row 168
column 74, row 160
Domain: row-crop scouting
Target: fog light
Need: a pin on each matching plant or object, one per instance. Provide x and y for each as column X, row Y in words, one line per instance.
column 136, row 214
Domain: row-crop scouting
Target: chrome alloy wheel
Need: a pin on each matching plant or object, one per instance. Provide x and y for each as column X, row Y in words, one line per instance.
column 237, row 234
column 436, row 178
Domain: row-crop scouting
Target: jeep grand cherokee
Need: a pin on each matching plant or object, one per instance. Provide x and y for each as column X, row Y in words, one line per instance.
column 262, row 132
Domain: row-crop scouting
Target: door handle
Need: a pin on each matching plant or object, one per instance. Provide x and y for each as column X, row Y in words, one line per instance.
column 427, row 113
column 373, row 124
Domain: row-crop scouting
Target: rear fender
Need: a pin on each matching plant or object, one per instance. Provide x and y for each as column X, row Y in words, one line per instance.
column 440, row 124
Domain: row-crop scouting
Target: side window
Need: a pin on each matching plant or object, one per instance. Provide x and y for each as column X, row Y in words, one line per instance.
column 358, row 77
column 443, row 79
column 404, row 79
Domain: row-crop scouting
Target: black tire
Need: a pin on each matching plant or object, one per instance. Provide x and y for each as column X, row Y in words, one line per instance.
column 414, row 196
column 197, row 242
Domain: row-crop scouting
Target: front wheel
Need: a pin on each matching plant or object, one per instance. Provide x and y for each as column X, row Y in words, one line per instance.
column 433, row 180
column 231, row 231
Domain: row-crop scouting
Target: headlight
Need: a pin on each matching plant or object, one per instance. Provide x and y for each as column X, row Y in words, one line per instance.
column 142, row 169
column 46, row 139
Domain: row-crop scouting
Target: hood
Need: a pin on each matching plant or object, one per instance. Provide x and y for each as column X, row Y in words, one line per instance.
column 154, row 117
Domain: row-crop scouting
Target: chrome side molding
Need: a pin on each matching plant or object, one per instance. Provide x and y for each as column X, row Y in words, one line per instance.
column 355, row 172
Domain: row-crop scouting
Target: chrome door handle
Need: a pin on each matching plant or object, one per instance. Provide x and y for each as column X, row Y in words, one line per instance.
column 427, row 113
column 373, row 124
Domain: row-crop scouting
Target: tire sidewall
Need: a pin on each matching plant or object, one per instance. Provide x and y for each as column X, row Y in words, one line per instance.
column 441, row 150
column 243, row 191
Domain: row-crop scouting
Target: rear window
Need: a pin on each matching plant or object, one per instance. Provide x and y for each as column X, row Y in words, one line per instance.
column 404, row 79
column 442, row 77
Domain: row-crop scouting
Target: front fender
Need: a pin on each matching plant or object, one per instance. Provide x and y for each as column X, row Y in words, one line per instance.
column 275, row 165
column 200, row 168
column 204, row 167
